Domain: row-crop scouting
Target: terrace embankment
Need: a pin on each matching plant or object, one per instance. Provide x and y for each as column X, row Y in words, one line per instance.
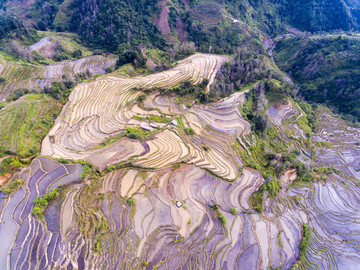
column 100, row 110
column 36, row 77
column 131, row 218
column 21, row 233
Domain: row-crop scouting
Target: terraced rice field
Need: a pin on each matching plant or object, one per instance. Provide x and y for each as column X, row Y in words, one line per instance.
column 22, row 235
column 36, row 77
column 88, row 230
column 145, row 232
column 129, row 218
column 102, row 109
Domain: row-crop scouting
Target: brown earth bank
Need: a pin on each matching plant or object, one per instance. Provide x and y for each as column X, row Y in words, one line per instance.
column 4, row 178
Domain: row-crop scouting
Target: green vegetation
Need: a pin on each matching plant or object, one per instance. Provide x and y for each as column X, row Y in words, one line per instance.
column 327, row 170
column 271, row 188
column 234, row 211
column 133, row 56
column 10, row 26
column 138, row 117
column 115, row 25
column 222, row 218
column 10, row 165
column 137, row 133
column 189, row 131
column 25, row 123
column 180, row 121
column 60, row 90
column 257, row 200
column 109, row 141
column 86, row 171
column 326, row 68
column 206, row 147
column 324, row 144
column 63, row 160
column 304, row 244
column 131, row 201
column 12, row 186
column 40, row 203
column 187, row 92
column 218, row 214
column 158, row 118
column 179, row 240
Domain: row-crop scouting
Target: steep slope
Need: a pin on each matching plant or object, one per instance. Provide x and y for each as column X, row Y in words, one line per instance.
column 326, row 68
column 25, row 122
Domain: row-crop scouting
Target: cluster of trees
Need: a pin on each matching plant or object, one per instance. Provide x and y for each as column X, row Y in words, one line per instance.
column 245, row 68
column 47, row 9
column 312, row 15
column 8, row 25
column 40, row 203
column 116, row 25
column 133, row 56
column 9, row 165
column 308, row 15
column 60, row 90
column 219, row 39
column 187, row 88
column 326, row 69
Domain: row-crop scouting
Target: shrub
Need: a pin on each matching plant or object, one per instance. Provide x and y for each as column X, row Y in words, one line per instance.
column 77, row 54
column 131, row 201
column 63, row 160
column 222, row 219
column 305, row 241
column 189, row 131
column 141, row 98
column 86, row 171
column 40, row 203
column 233, row 211
column 206, row 147
column 133, row 56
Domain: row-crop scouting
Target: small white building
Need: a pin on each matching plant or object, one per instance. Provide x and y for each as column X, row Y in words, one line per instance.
column 178, row 204
column 174, row 122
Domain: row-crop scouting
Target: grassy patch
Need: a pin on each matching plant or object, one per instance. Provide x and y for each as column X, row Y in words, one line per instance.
column 109, row 141
column 25, row 122
column 180, row 121
column 138, row 117
column 304, row 124
column 158, row 118
column 13, row 186
column 324, row 144
column 137, row 133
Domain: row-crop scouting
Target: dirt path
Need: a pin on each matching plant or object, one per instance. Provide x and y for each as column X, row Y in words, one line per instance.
column 23, row 159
